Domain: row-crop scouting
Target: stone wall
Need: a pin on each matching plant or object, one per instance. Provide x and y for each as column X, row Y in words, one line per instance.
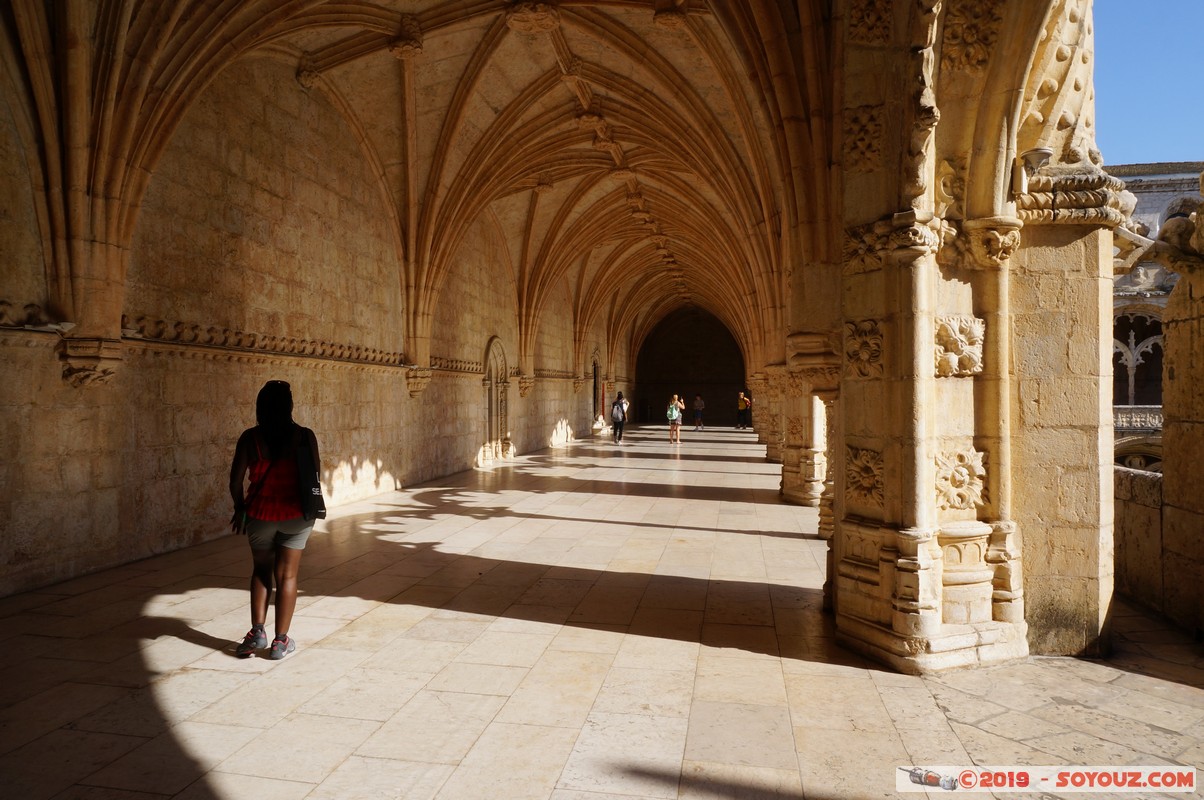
column 265, row 249
column 1139, row 548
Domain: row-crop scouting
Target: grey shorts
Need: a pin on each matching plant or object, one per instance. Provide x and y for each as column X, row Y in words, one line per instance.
column 290, row 533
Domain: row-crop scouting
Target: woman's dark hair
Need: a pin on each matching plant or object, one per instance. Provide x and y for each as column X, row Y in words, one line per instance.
column 274, row 413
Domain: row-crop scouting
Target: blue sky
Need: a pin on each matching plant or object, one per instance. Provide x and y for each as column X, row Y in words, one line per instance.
column 1149, row 80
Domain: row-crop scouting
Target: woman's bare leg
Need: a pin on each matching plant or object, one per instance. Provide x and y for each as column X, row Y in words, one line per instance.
column 288, row 565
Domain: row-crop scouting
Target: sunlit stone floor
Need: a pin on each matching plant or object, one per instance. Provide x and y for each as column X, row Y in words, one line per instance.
column 587, row 623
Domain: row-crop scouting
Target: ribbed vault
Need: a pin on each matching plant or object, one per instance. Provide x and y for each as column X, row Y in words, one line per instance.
column 630, row 152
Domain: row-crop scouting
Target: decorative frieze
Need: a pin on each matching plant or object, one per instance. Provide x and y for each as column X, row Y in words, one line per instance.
column 870, row 21
column 1137, row 418
column 863, row 133
column 193, row 333
column 864, row 476
column 457, row 365
column 30, row 315
column 960, row 480
column 959, row 341
column 863, row 349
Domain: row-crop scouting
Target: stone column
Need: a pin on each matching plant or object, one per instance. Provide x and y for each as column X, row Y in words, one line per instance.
column 760, row 413
column 1062, row 440
column 772, row 414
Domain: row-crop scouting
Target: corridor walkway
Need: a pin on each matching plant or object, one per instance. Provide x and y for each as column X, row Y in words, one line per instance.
column 594, row 622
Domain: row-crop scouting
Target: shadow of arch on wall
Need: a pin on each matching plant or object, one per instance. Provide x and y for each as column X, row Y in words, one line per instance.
column 690, row 352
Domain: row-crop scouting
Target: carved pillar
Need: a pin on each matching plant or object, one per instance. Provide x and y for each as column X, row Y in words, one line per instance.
column 757, row 385
column 806, row 467
column 772, row 416
column 917, row 588
column 992, row 242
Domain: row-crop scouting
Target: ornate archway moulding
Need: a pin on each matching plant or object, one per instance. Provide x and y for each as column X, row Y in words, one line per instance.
column 1072, row 195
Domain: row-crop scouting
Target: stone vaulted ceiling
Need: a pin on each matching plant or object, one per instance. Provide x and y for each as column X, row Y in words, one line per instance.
column 622, row 148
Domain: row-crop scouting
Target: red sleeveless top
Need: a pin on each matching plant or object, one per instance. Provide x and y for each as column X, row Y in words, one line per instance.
column 279, row 497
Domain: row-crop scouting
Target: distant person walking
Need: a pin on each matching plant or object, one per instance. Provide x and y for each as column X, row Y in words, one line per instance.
column 673, row 413
column 278, row 454
column 743, row 406
column 699, row 406
column 618, row 417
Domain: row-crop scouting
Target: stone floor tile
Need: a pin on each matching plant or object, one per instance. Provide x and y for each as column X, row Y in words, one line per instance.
column 478, row 679
column 150, row 711
column 434, row 727
column 859, row 764
column 516, row 762
column 31, row 719
column 273, row 753
column 740, row 680
column 702, row 780
column 741, row 734
column 54, row 762
column 227, row 785
column 559, row 690
column 156, row 766
column 362, row 693
column 506, row 648
column 360, row 778
column 656, row 692
column 627, row 754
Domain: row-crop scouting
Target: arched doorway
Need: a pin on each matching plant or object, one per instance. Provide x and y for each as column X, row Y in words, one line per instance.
column 689, row 352
column 495, row 386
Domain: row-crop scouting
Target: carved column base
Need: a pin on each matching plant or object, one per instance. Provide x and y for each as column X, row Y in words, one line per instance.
column 90, row 362
column 1003, row 557
column 920, row 600
column 803, row 480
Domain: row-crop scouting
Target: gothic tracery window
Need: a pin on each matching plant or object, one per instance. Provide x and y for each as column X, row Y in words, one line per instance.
column 1137, row 360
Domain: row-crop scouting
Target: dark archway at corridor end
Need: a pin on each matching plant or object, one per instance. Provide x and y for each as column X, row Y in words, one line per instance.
column 689, row 352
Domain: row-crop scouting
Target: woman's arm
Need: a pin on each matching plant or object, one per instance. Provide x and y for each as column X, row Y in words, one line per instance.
column 238, row 470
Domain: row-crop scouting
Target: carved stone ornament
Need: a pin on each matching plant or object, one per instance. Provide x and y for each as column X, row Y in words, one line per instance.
column 525, row 384
column 578, row 383
column 863, row 246
column 90, row 362
column 914, row 234
column 863, row 133
column 1059, row 100
column 992, row 241
column 527, row 17
column 1072, row 196
column 971, row 28
column 863, row 348
column 864, row 482
column 870, row 21
column 417, row 379
column 193, row 333
column 959, row 346
column 308, row 78
column 669, row 18
column 959, row 480
column 409, row 43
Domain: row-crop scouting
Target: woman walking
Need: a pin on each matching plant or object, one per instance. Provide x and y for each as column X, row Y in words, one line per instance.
column 270, row 512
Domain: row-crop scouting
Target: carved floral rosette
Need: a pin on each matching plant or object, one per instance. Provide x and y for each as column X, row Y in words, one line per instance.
column 863, row 135
column 863, row 349
column 960, row 480
column 958, row 348
column 971, row 29
column 864, row 476
column 870, row 21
